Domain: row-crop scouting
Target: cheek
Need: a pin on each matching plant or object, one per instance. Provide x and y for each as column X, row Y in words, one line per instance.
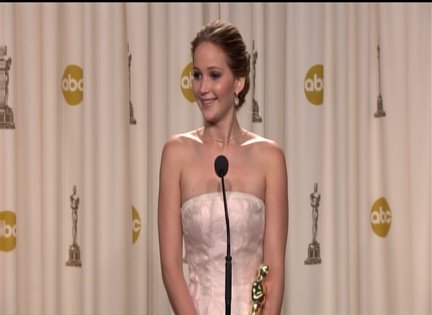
column 225, row 89
column 195, row 87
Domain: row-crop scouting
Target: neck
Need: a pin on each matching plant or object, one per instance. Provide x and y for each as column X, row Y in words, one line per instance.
column 209, row 133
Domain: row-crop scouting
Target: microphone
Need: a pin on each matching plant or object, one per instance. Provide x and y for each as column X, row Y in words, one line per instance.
column 221, row 168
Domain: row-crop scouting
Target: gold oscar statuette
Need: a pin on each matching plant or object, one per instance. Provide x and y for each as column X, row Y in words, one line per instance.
column 259, row 290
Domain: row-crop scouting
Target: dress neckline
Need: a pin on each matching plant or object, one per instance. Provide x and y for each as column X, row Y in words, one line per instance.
column 218, row 194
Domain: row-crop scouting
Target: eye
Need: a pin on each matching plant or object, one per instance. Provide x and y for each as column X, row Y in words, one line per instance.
column 215, row 75
column 196, row 75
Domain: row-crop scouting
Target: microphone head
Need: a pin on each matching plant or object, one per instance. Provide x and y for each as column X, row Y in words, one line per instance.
column 221, row 166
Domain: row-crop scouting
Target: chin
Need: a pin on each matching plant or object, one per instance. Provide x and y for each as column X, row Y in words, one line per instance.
column 209, row 118
column 207, row 112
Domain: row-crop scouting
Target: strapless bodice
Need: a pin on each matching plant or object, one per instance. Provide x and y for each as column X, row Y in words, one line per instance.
column 204, row 232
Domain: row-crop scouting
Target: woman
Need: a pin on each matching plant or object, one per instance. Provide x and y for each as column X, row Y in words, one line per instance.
column 191, row 202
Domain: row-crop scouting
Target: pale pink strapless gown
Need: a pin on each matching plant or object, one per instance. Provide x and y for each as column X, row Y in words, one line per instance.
column 204, row 231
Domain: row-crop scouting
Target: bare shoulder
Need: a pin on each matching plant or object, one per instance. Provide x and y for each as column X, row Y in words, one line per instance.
column 178, row 146
column 265, row 148
column 181, row 141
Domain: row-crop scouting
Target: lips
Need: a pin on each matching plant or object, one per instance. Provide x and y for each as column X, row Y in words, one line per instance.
column 207, row 102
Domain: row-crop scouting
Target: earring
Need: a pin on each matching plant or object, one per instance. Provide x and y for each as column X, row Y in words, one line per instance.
column 236, row 100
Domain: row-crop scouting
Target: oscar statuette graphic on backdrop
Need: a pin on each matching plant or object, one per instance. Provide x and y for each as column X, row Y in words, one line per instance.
column 380, row 112
column 256, row 117
column 74, row 250
column 132, row 120
column 6, row 113
column 314, row 247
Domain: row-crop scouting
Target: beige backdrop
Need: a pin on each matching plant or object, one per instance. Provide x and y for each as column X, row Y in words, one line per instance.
column 90, row 92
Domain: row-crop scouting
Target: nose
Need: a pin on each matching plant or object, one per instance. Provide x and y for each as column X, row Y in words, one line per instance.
column 203, row 85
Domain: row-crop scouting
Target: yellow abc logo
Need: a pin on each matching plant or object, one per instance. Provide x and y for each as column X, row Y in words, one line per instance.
column 7, row 231
column 186, row 82
column 314, row 84
column 136, row 225
column 381, row 217
column 73, row 84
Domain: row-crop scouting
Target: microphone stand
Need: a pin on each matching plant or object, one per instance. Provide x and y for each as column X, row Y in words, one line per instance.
column 228, row 258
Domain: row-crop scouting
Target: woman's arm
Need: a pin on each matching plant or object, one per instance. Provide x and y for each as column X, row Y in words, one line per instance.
column 170, row 229
column 276, row 228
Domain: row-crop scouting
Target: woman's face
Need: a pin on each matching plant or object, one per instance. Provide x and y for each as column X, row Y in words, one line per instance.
column 213, row 84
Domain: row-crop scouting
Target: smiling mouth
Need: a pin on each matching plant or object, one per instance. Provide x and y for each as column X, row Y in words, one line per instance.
column 207, row 102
